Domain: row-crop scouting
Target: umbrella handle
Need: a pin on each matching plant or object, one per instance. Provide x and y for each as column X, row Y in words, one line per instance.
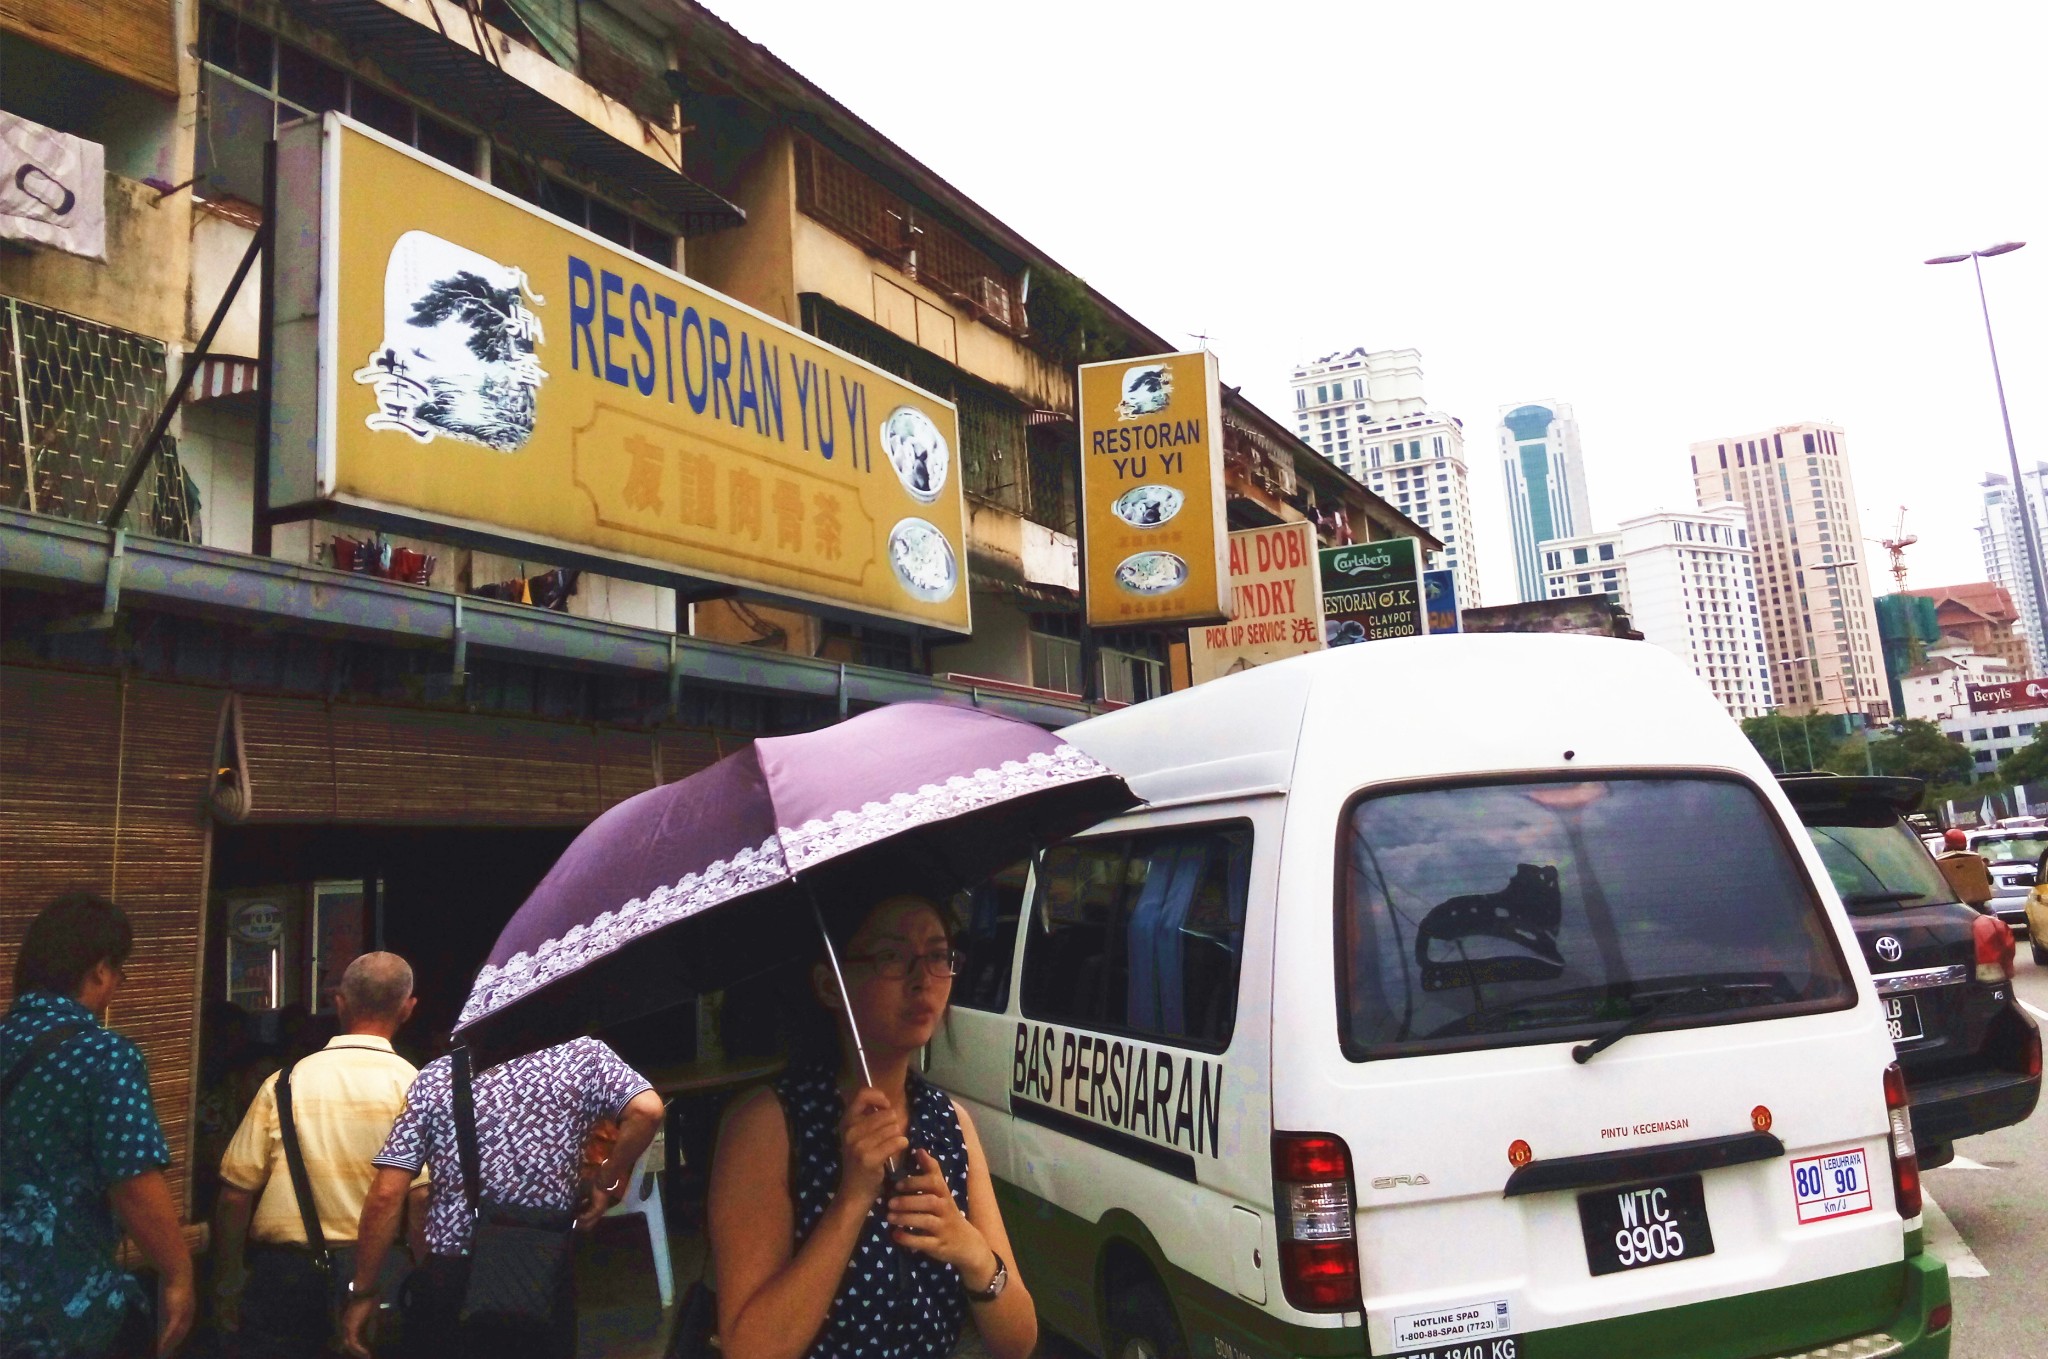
column 894, row 1167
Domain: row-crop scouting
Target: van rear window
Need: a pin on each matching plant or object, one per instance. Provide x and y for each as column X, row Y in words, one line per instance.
column 1490, row 916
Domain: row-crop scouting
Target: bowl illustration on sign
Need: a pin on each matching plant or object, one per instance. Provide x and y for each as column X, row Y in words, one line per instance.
column 923, row 561
column 460, row 350
column 1151, row 573
column 1147, row 390
column 1148, row 506
column 917, row 451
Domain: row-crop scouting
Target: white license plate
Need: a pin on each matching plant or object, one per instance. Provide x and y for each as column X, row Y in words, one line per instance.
column 1902, row 1018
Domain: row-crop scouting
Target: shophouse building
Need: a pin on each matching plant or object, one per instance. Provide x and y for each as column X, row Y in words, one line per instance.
column 282, row 729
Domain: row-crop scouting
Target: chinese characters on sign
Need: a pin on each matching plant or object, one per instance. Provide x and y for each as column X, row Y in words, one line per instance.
column 461, row 359
column 1152, row 541
column 1276, row 604
column 1372, row 591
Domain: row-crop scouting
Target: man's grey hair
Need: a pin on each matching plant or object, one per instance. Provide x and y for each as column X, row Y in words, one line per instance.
column 377, row 985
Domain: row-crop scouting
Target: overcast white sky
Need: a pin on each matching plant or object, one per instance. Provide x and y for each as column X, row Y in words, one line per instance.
column 1683, row 229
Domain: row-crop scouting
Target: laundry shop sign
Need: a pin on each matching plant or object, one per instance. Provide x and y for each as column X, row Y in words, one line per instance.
column 452, row 360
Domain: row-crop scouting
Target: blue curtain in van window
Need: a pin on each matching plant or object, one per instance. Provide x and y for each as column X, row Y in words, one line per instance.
column 1155, row 1000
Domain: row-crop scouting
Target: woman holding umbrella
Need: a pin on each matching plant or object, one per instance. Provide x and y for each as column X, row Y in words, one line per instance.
column 852, row 1216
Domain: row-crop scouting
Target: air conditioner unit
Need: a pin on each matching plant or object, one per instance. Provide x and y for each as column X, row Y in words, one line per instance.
column 992, row 297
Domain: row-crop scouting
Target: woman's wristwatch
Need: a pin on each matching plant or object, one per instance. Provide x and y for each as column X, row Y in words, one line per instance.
column 995, row 1287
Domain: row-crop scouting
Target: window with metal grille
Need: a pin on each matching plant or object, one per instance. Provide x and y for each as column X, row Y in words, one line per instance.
column 76, row 400
column 835, row 193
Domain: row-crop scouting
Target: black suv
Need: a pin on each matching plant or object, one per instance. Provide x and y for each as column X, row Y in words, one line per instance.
column 1971, row 1055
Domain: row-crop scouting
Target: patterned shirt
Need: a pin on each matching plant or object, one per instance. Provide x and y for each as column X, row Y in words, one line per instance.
column 893, row 1303
column 344, row 1100
column 79, row 1123
column 533, row 1115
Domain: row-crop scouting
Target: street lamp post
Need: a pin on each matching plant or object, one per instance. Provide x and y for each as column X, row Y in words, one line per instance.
column 2039, row 645
column 1855, row 674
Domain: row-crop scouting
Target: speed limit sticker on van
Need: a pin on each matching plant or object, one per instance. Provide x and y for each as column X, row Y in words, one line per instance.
column 1826, row 1187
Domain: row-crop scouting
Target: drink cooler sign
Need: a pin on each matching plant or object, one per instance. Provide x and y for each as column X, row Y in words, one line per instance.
column 1152, row 491
column 1372, row 591
column 484, row 367
column 1276, row 604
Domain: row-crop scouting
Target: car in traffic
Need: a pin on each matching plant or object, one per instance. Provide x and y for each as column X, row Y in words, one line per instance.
column 2011, row 853
column 1943, row 969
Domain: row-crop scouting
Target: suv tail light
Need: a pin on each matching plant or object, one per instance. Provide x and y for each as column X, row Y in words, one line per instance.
column 1993, row 938
column 1316, row 1222
column 1905, row 1160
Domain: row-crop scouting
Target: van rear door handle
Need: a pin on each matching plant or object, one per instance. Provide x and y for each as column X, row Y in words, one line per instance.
column 1642, row 1163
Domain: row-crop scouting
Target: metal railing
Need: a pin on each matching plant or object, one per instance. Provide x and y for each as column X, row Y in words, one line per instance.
column 76, row 400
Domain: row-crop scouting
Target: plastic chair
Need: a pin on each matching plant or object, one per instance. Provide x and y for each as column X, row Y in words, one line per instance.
column 643, row 1197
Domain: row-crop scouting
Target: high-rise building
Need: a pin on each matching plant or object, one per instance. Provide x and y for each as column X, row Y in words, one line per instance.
column 2005, row 549
column 1365, row 413
column 1688, row 584
column 1539, row 452
column 1820, row 630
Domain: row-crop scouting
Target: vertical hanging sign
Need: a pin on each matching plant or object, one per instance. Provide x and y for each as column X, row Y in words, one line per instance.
column 1154, row 547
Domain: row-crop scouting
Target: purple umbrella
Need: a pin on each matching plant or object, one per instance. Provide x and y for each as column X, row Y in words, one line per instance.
column 700, row 883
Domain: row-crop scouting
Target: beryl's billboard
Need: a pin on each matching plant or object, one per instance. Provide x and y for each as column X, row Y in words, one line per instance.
column 448, row 356
column 1152, row 525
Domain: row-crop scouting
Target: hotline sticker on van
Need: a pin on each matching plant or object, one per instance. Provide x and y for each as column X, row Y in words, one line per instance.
column 1449, row 1328
column 1826, row 1187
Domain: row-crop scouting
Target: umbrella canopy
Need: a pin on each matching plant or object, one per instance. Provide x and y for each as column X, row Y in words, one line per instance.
column 700, row 883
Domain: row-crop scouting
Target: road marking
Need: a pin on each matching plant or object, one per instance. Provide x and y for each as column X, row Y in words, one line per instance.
column 1946, row 1244
column 2034, row 1010
column 1965, row 1163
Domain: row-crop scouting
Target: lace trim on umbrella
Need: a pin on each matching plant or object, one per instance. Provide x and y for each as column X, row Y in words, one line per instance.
column 816, row 841
column 748, row 871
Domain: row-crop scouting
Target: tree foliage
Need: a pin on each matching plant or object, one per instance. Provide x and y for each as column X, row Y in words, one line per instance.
column 1916, row 750
column 1789, row 744
column 1067, row 321
column 2028, row 764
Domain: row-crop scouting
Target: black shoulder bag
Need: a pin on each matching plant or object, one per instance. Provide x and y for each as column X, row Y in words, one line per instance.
column 39, row 1047
column 338, row 1265
column 518, row 1257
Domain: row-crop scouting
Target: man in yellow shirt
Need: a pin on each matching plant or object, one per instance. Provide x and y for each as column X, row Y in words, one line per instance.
column 344, row 1099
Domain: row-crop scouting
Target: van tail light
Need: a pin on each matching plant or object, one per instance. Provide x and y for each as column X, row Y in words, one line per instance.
column 2030, row 1056
column 1993, row 938
column 1905, row 1160
column 1316, row 1221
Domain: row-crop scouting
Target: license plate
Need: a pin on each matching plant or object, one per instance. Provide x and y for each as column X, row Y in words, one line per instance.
column 1902, row 1018
column 1639, row 1225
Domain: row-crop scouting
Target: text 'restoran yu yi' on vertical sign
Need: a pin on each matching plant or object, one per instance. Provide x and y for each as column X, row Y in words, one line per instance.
column 1372, row 591
column 451, row 357
column 1152, row 542
column 1276, row 604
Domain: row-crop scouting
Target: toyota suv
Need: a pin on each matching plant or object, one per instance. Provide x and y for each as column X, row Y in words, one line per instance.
column 1943, row 970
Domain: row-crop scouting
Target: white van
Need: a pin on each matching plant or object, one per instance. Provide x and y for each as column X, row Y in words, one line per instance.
column 1473, row 997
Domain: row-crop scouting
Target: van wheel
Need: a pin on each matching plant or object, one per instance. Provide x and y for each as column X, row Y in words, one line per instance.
column 1142, row 1325
column 2040, row 953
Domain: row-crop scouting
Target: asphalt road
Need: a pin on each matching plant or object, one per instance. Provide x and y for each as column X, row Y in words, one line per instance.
column 1987, row 1217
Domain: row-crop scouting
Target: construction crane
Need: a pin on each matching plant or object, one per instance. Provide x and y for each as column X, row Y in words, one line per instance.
column 1896, row 545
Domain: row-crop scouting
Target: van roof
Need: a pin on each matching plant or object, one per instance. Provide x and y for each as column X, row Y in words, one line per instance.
column 1421, row 707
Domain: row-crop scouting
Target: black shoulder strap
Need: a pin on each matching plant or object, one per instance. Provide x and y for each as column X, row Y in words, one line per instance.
column 39, row 1047
column 465, row 1130
column 295, row 1163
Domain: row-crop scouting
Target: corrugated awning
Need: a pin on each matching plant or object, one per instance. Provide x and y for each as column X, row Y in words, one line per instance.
column 217, row 378
column 1051, row 598
column 526, row 118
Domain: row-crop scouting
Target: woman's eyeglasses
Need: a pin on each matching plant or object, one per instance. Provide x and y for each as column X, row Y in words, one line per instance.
column 894, row 964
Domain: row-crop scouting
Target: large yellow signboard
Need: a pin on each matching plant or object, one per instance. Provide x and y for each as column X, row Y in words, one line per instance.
column 1153, row 542
column 486, row 367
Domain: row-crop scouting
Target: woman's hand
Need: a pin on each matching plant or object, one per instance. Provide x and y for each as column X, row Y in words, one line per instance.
column 868, row 1140
column 924, row 1217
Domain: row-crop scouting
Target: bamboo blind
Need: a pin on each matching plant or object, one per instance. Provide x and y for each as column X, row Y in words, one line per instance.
column 132, row 38
column 103, row 787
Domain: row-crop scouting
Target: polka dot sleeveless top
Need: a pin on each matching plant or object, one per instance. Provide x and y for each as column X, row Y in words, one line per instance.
column 893, row 1303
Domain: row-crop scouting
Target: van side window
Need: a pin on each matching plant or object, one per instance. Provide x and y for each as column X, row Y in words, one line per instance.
column 987, row 917
column 1142, row 934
